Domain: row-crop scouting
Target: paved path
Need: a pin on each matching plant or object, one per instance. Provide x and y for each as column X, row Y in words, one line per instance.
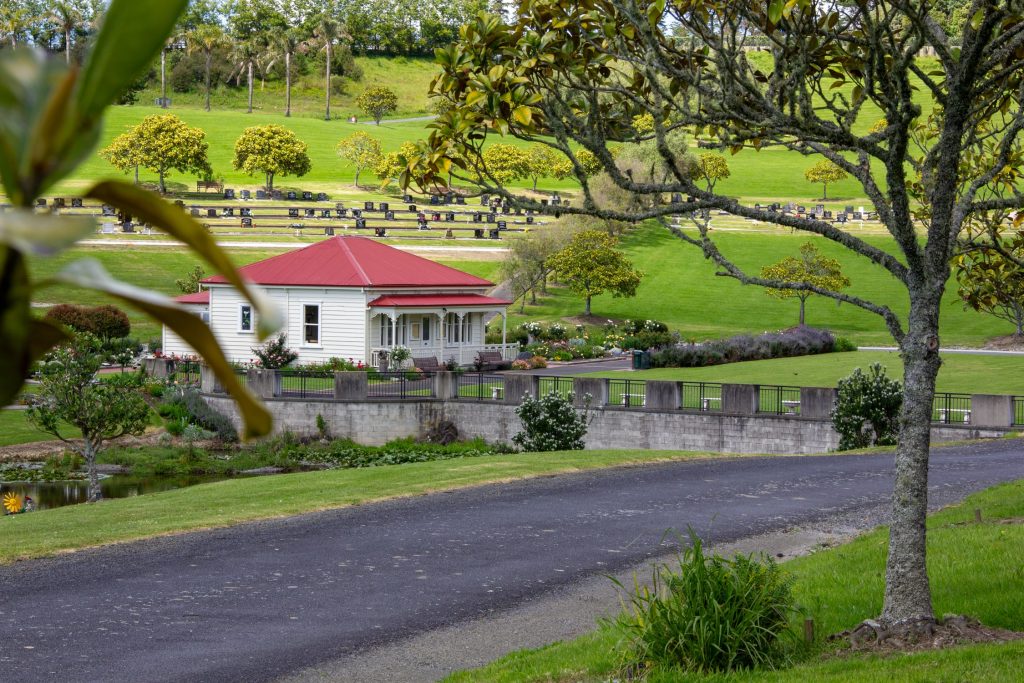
column 260, row 601
column 282, row 245
column 946, row 349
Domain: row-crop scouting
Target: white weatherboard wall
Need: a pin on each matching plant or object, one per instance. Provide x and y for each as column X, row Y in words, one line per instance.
column 342, row 322
column 172, row 344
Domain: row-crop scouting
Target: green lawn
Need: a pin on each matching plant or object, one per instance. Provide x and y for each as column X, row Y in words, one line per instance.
column 15, row 429
column 234, row 501
column 974, row 569
column 960, row 373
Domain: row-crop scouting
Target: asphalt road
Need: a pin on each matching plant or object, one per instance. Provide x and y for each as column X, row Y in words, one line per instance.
column 256, row 602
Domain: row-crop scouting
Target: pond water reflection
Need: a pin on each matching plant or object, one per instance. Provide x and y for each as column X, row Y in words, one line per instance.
column 58, row 494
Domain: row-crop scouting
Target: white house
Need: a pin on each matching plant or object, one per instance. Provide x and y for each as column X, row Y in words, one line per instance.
column 353, row 297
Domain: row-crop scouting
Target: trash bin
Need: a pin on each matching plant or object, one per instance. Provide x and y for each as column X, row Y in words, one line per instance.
column 641, row 360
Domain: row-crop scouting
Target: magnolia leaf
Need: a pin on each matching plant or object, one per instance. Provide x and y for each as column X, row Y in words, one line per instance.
column 775, row 11
column 15, row 322
column 43, row 336
column 176, row 223
column 42, row 234
column 131, row 36
column 90, row 273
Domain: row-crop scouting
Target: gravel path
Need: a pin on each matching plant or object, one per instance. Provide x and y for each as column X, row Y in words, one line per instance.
column 314, row 594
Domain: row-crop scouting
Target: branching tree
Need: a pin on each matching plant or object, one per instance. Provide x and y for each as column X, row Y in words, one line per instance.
column 947, row 155
column 811, row 268
column 591, row 265
column 377, row 102
column 506, row 163
column 69, row 392
column 991, row 279
column 361, row 150
column 825, row 172
column 544, row 162
column 271, row 150
column 392, row 165
column 161, row 143
column 709, row 169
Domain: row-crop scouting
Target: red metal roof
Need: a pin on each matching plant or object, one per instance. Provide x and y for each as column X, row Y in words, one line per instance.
column 434, row 300
column 350, row 261
column 202, row 297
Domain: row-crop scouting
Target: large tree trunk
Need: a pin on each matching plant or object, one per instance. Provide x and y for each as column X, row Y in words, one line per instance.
column 250, row 87
column 270, row 182
column 209, row 59
column 67, row 46
column 95, row 493
column 287, row 83
column 803, row 306
column 586, row 309
column 163, row 187
column 163, row 78
column 907, row 591
column 327, row 83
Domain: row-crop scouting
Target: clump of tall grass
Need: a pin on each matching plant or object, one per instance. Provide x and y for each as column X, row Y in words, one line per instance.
column 712, row 614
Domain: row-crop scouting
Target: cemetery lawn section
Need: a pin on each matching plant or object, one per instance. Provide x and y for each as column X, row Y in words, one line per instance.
column 960, row 373
column 975, row 570
column 234, row 501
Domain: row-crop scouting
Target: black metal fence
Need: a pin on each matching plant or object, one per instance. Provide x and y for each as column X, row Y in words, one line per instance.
column 188, row 372
column 951, row 408
column 703, row 396
column 558, row 385
column 1018, row 410
column 480, row 386
column 778, row 400
column 628, row 393
column 400, row 384
column 302, row 384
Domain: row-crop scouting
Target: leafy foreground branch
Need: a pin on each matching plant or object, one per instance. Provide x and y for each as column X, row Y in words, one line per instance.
column 595, row 76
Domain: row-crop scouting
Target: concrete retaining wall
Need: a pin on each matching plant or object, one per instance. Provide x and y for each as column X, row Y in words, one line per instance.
column 377, row 422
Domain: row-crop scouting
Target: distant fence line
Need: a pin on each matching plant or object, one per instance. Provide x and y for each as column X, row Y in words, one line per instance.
column 983, row 410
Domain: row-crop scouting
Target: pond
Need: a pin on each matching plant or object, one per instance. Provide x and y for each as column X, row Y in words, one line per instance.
column 60, row 493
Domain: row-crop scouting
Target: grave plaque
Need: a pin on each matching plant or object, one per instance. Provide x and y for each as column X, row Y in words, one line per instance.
column 246, row 194
column 367, row 206
column 449, row 217
column 407, row 198
column 307, row 196
column 421, row 217
column 356, row 213
column 502, row 225
column 459, row 199
column 194, row 211
column 211, row 213
column 506, row 209
column 321, row 196
column 485, row 200
column 329, row 231
column 341, row 211
column 380, row 232
column 293, row 213
column 384, row 206
column 422, row 225
column 246, row 222
column 389, row 215
column 478, row 217
column 435, row 216
column 529, row 220
column 76, row 203
column 106, row 210
column 276, row 195
column 310, row 213
column 412, row 207
column 361, row 223
column 491, row 217
column 291, row 196
column 41, row 202
column 247, row 212
column 261, row 194
column 434, row 200
column 478, row 233
column 229, row 194
column 228, row 212
column 325, row 213
column 494, row 234
column 58, row 203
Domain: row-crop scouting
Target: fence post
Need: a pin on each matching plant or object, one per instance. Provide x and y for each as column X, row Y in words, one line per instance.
column 208, row 382
column 816, row 402
column 351, row 386
column 740, row 399
column 597, row 387
column 446, row 385
column 518, row 386
column 991, row 410
column 157, row 367
column 661, row 395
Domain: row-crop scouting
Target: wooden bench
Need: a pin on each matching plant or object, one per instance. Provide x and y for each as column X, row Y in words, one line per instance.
column 204, row 185
column 427, row 364
column 491, row 360
column 791, row 407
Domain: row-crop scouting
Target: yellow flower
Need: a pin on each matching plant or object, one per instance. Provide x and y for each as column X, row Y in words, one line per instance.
column 12, row 503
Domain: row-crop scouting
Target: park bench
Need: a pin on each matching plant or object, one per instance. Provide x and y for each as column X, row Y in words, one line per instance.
column 638, row 400
column 426, row 364
column 204, row 185
column 946, row 415
column 791, row 407
column 491, row 360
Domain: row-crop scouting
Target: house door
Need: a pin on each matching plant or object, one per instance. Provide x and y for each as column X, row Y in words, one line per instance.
column 419, row 331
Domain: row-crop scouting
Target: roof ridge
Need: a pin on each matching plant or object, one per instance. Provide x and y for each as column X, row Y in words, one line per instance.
column 354, row 261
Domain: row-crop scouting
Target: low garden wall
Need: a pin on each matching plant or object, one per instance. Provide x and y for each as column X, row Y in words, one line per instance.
column 729, row 418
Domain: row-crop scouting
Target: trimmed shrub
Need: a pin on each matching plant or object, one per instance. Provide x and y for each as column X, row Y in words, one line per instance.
column 550, row 423
column 106, row 322
column 867, row 409
column 712, row 615
column 799, row 341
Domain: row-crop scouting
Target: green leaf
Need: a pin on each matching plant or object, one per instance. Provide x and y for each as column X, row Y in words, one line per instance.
column 775, row 11
column 15, row 323
column 42, row 234
column 90, row 274
column 132, row 35
column 169, row 218
column 43, row 336
column 976, row 20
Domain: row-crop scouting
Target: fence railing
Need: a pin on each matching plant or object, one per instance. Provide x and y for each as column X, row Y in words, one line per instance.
column 188, row 372
column 300, row 384
column 628, row 393
column 400, row 384
column 480, row 386
column 1018, row 410
column 778, row 400
column 951, row 408
column 563, row 386
column 703, row 396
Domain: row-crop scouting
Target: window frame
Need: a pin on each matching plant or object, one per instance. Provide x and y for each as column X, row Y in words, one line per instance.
column 242, row 329
column 318, row 305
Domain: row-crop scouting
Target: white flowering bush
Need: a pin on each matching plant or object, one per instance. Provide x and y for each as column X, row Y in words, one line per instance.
column 867, row 409
column 551, row 423
column 533, row 329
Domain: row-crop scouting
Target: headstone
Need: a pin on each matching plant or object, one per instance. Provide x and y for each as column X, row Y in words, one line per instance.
column 407, row 198
column 229, row 194
column 841, row 218
column 827, row 215
column 58, row 203
column 478, row 217
column 107, row 210
column 434, row 200
column 107, row 229
column 361, row 224
column 325, row 213
column 677, row 198
column 543, row 202
column 459, row 199
column 757, row 207
column 819, row 208
column 389, row 215
column 448, row 234
column 529, row 220
column 307, row 196
column 211, row 213
column 194, row 211
column 309, row 213
column 76, row 202
column 485, row 200
column 291, row 196
column 356, row 213
column 422, row 225
column 412, row 207
column 41, row 202
column 421, row 216
column 277, row 195
column 261, row 194
column 245, row 211
column 383, row 206
column 449, row 217
column 367, row 206
column 380, row 232
column 321, row 196
column 858, row 216
column 494, row 234
column 491, row 217
column 329, row 231
column 519, row 211
column 127, row 227
column 341, row 212
column 246, row 194
column 435, row 216
column 293, row 213
column 847, row 209
column 801, row 209
column 478, row 233
column 246, row 222
column 227, row 212
column 556, row 200
column 502, row 225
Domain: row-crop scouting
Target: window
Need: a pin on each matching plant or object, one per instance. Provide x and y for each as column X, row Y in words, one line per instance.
column 245, row 318
column 385, row 330
column 457, row 332
column 426, row 328
column 415, row 331
column 311, row 323
column 205, row 316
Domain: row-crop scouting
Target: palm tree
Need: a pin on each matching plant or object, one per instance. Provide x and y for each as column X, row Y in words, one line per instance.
column 286, row 44
column 328, row 32
column 13, row 20
column 206, row 39
column 246, row 54
column 67, row 17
